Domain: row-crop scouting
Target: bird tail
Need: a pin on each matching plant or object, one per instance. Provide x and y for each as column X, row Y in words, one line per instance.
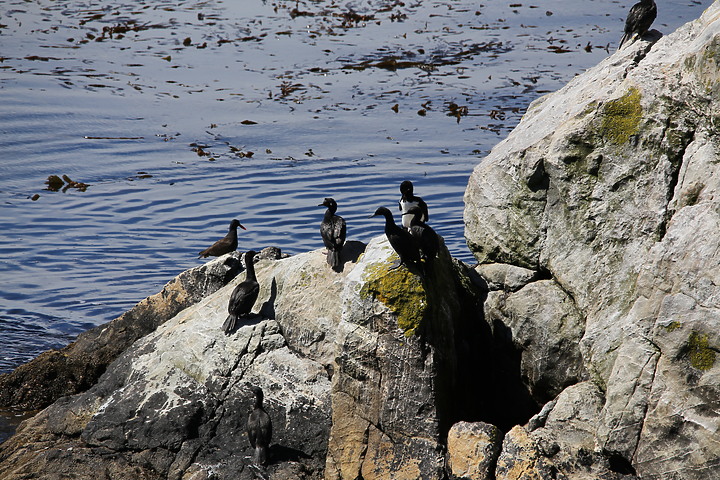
column 260, row 455
column 333, row 259
column 624, row 39
column 230, row 323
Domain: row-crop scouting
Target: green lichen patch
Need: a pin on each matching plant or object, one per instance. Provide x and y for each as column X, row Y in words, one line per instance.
column 673, row 326
column 621, row 117
column 401, row 291
column 700, row 354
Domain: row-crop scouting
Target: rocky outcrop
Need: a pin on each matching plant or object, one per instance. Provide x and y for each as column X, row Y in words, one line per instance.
column 174, row 405
column 406, row 367
column 336, row 355
column 583, row 346
column 608, row 190
column 78, row 366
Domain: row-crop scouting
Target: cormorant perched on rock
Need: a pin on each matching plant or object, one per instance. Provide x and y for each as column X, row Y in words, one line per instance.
column 226, row 244
column 639, row 19
column 332, row 230
column 424, row 237
column 409, row 200
column 259, row 428
column 400, row 240
column 243, row 297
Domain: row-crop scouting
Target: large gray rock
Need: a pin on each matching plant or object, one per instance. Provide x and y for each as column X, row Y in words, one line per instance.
column 608, row 189
column 544, row 325
column 174, row 404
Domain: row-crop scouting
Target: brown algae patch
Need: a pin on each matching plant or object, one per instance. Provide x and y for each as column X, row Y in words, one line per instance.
column 621, row 117
column 701, row 355
column 400, row 290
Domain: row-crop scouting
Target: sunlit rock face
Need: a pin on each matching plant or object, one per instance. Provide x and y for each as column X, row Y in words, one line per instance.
column 609, row 190
column 372, row 360
column 175, row 404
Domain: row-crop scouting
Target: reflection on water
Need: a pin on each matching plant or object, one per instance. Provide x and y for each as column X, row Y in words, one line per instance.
column 183, row 115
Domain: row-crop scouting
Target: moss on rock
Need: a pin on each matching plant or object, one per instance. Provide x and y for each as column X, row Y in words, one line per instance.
column 621, row 117
column 701, row 355
column 401, row 291
column 673, row 326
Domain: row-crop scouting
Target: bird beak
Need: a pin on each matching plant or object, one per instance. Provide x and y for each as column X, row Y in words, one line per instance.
column 242, row 227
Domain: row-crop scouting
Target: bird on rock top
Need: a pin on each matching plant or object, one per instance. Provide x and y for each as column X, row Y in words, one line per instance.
column 333, row 232
column 227, row 244
column 409, row 200
column 243, row 296
column 639, row 19
column 400, row 240
column 424, row 238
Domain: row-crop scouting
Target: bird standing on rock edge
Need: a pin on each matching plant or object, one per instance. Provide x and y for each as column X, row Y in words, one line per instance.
column 243, row 296
column 409, row 200
column 333, row 232
column 227, row 244
column 259, row 429
column 424, row 238
column 400, row 240
column 639, row 19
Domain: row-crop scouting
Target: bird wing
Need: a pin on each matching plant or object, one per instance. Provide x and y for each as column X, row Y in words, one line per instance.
column 225, row 245
column 423, row 206
column 339, row 230
column 266, row 428
column 326, row 232
column 252, row 428
column 243, row 297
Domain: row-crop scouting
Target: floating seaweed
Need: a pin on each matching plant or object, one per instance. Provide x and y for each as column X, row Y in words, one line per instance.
column 55, row 183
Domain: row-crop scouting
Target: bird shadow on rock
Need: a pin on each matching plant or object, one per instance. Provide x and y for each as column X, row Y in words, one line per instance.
column 350, row 253
column 267, row 309
column 281, row 453
column 245, row 320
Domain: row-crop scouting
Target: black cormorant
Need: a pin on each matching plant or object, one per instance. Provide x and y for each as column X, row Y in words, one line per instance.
column 424, row 237
column 243, row 297
column 409, row 200
column 638, row 21
column 332, row 229
column 226, row 244
column 400, row 240
column 259, row 428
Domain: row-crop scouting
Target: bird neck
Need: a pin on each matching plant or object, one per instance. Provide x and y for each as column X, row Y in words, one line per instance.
column 330, row 212
column 250, row 269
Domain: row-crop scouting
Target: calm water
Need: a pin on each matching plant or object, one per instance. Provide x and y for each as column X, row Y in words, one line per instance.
column 184, row 115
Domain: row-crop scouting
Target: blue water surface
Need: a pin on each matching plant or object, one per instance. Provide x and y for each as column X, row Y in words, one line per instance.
column 181, row 116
